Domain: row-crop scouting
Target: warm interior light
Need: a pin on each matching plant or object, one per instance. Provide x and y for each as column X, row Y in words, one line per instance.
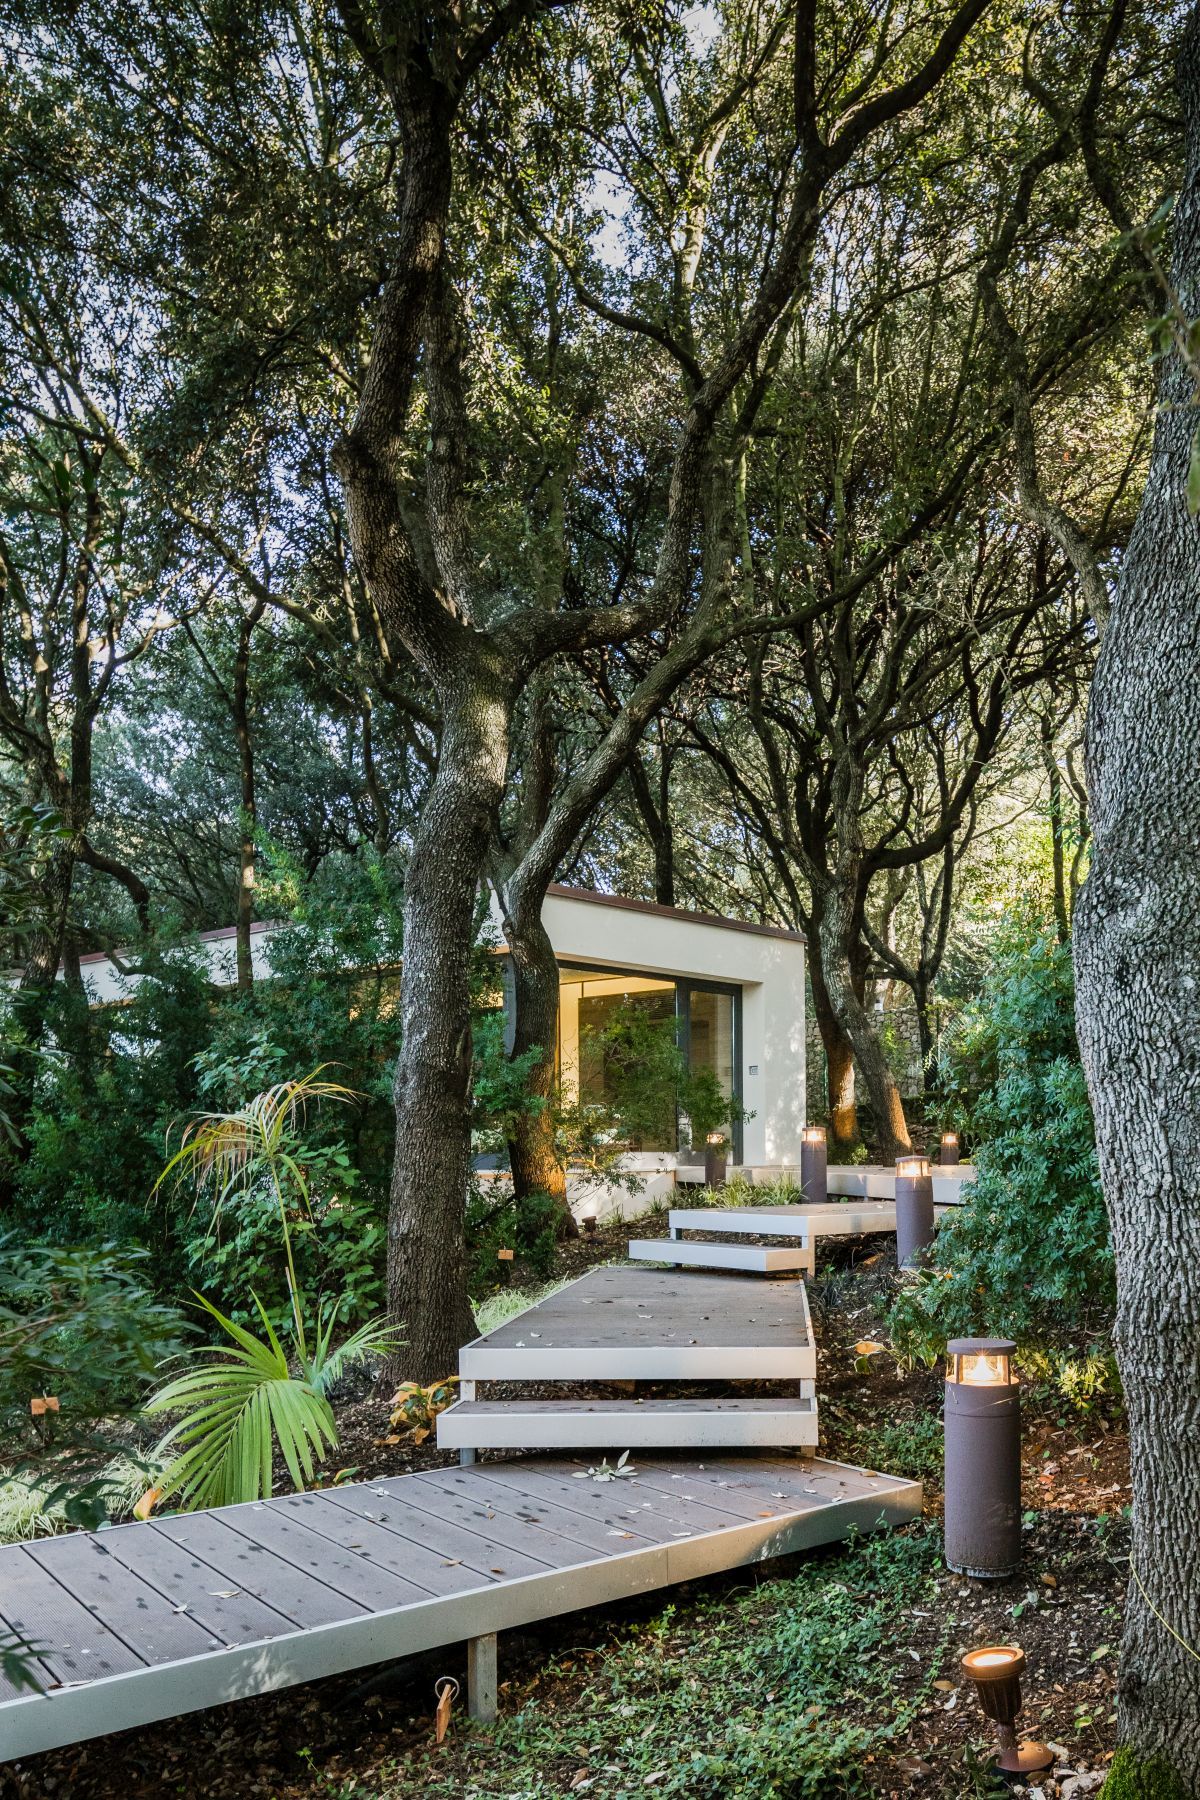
column 715, row 1137
column 813, row 1134
column 985, row 1368
column 912, row 1165
column 949, row 1137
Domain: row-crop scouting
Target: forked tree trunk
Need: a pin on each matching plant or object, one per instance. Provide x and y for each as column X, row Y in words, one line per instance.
column 532, row 1153
column 835, row 944
column 839, row 1063
column 426, row 1265
column 1137, row 959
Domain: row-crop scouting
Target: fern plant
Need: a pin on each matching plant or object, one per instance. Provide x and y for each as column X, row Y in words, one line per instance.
column 239, row 1404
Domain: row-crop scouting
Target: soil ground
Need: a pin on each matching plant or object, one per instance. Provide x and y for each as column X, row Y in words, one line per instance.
column 371, row 1736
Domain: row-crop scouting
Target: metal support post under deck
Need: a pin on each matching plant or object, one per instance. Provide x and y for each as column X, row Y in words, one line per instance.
column 481, row 1678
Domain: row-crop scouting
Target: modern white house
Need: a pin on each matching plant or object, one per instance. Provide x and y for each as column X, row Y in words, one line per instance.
column 735, row 990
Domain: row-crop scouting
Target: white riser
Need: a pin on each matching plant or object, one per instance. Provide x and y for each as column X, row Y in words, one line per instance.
column 757, row 1258
column 658, row 1362
column 627, row 1424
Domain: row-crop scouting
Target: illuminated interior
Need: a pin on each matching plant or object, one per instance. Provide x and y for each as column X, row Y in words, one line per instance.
column 704, row 1018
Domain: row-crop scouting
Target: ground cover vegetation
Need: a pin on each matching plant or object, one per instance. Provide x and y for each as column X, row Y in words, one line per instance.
column 694, row 452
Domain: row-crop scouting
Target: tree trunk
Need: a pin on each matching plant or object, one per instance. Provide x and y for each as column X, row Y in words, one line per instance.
column 533, row 1157
column 836, row 941
column 1054, row 779
column 1137, row 958
column 839, row 1063
column 248, row 816
column 427, row 1295
column 920, row 994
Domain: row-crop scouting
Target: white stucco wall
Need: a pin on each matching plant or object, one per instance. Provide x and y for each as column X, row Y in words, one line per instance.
column 601, row 932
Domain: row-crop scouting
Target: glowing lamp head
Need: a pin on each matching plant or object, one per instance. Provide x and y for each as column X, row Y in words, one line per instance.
column 981, row 1362
column 996, row 1672
column 715, row 1137
column 916, row 1166
column 950, row 1139
column 813, row 1134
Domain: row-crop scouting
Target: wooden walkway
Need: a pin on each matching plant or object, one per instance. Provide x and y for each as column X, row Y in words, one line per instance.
column 146, row 1621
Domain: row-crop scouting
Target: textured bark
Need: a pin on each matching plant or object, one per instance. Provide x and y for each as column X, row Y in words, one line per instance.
column 839, row 1062
column 240, row 703
column 1137, row 957
column 533, row 1157
column 426, row 1294
column 838, row 939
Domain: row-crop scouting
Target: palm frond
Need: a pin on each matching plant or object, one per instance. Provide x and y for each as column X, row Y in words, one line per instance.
column 238, row 1406
column 375, row 1338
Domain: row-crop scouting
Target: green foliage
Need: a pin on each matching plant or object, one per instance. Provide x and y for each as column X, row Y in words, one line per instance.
column 123, row 1076
column 912, row 1447
column 779, row 1693
column 1130, row 1778
column 81, row 1328
column 243, row 1404
column 1029, row 1253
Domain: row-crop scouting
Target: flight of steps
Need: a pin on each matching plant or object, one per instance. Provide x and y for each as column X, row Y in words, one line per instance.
column 639, row 1326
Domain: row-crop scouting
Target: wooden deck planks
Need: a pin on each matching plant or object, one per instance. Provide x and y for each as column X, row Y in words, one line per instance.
column 300, row 1596
column 72, row 1644
column 624, row 1537
column 627, row 1322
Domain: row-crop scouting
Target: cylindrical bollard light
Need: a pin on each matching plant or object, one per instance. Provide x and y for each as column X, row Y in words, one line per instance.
column 715, row 1160
column 983, row 1458
column 914, row 1210
column 814, row 1165
column 948, row 1154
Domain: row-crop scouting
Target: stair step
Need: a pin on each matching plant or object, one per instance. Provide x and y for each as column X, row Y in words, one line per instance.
column 760, row 1258
column 628, row 1322
column 626, row 1424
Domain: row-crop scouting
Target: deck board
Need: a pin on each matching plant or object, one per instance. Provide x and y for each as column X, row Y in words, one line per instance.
column 626, row 1322
column 626, row 1537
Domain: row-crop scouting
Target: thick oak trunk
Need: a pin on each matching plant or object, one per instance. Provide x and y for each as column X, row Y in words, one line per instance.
column 533, row 1157
column 1137, row 958
column 426, row 1266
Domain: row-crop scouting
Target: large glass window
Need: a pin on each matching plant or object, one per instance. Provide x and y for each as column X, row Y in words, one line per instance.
column 705, row 1020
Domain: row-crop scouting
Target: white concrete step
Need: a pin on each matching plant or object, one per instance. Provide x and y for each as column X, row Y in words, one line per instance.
column 627, row 1424
column 688, row 1252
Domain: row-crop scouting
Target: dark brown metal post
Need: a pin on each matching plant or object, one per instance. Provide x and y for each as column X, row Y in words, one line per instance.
column 914, row 1210
column 949, row 1150
column 983, row 1459
column 716, row 1161
column 814, row 1165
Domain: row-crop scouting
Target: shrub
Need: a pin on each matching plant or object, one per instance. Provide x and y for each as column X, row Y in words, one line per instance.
column 1028, row 1254
column 78, row 1328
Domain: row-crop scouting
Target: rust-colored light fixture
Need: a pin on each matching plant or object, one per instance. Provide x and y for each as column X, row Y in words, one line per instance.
column 715, row 1160
column 814, row 1165
column 948, row 1152
column 589, row 1222
column 914, row 1210
column 996, row 1671
column 983, row 1458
